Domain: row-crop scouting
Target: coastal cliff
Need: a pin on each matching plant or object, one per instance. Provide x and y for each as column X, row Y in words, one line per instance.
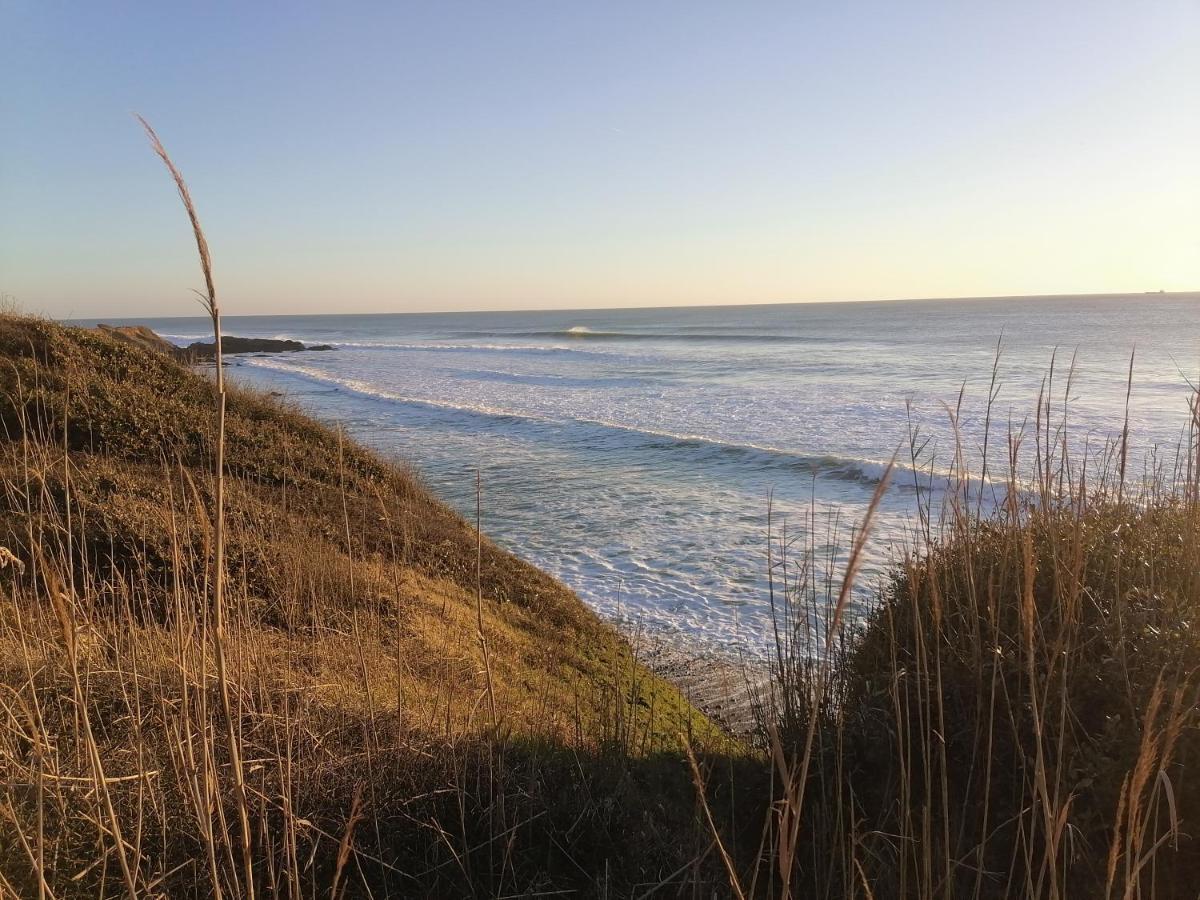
column 390, row 670
column 385, row 703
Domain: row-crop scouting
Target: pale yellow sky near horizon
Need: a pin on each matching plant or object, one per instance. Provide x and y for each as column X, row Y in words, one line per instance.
column 529, row 158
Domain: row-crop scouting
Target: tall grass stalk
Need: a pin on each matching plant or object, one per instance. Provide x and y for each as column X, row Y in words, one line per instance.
column 962, row 741
column 213, row 308
column 272, row 693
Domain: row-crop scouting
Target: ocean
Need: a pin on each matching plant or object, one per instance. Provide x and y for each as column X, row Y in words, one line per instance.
column 633, row 453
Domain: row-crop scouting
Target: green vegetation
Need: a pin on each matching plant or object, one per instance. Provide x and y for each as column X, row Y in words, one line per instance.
column 241, row 656
column 1052, row 655
column 359, row 691
column 1016, row 718
column 1018, row 715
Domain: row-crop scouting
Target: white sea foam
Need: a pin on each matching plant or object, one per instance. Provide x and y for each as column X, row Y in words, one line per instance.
column 451, row 347
column 367, row 389
column 633, row 452
column 870, row 471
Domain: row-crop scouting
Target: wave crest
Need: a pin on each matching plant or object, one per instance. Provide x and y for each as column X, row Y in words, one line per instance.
column 867, row 471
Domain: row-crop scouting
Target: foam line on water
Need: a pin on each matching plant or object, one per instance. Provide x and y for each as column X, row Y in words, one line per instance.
column 384, row 345
column 868, row 471
column 583, row 333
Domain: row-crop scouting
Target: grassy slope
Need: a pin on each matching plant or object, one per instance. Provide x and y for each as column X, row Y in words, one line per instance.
column 1018, row 717
column 353, row 604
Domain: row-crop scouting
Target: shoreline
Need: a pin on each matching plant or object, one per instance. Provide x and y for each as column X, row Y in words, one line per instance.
column 725, row 690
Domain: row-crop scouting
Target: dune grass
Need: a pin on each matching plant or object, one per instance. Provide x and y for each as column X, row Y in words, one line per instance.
column 242, row 656
column 355, row 604
column 1017, row 717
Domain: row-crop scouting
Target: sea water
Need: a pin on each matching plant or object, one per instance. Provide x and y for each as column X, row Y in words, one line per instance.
column 635, row 453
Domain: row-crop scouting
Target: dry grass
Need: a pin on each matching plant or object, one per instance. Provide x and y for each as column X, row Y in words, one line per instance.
column 355, row 604
column 1016, row 719
column 242, row 656
column 1018, row 716
column 216, row 574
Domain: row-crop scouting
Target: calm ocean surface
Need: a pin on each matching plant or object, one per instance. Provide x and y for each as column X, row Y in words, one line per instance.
column 631, row 452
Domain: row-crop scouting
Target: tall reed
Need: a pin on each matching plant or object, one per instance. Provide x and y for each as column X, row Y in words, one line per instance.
column 346, row 586
column 1016, row 716
column 213, row 308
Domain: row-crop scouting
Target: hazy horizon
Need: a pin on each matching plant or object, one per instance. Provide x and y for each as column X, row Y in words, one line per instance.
column 670, row 427
column 201, row 315
column 530, row 157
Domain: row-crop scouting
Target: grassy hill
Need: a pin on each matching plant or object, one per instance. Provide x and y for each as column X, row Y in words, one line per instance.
column 395, row 707
column 376, row 744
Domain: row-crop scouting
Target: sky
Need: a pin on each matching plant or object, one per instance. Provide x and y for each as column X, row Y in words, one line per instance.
column 358, row 157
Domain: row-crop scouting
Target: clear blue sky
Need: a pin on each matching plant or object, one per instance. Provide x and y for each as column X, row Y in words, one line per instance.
column 360, row 157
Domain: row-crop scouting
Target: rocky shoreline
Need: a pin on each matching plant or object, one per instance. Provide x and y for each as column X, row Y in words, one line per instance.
column 199, row 351
column 728, row 691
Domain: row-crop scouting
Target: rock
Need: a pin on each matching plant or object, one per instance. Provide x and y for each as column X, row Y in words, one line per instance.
column 231, row 345
column 139, row 336
column 142, row 336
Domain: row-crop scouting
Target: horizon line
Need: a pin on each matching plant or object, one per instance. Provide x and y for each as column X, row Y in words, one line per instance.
column 601, row 309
